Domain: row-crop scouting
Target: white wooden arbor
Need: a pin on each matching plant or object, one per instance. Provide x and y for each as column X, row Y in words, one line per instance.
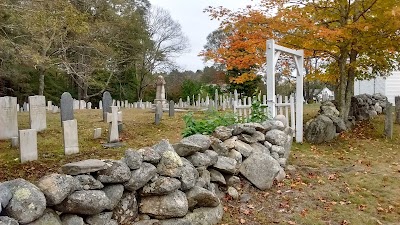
column 273, row 52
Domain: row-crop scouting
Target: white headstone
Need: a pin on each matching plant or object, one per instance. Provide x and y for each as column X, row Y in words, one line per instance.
column 97, row 133
column 119, row 116
column 100, row 104
column 89, row 105
column 49, row 105
column 76, row 104
column 8, row 118
column 28, row 145
column 14, row 142
column 37, row 112
column 82, row 104
column 70, row 133
column 113, row 128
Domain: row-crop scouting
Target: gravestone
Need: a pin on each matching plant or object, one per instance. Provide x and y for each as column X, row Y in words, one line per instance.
column 55, row 109
column 70, row 134
column 389, row 121
column 97, row 133
column 160, row 91
column 171, row 108
column 37, row 112
column 14, row 142
column 100, row 104
column 216, row 100
column 8, row 118
column 18, row 107
column 113, row 135
column 76, row 104
column 107, row 102
column 82, row 104
column 89, row 105
column 49, row 105
column 67, row 107
column 28, row 145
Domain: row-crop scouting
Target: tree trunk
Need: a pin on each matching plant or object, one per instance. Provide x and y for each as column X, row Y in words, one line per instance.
column 41, row 82
column 341, row 100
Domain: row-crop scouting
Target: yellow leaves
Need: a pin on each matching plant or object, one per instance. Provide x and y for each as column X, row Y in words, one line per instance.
column 243, row 78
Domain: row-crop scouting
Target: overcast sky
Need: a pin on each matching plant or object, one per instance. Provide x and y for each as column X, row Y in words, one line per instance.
column 195, row 24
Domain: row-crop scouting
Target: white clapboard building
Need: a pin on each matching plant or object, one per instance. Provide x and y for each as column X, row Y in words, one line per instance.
column 388, row 86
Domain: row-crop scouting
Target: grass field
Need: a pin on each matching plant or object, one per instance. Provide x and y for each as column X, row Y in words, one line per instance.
column 353, row 180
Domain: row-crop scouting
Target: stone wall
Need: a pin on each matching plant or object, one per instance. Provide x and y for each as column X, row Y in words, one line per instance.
column 164, row 184
column 365, row 106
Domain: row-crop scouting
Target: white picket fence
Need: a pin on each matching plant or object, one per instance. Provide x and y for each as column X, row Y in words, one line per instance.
column 284, row 106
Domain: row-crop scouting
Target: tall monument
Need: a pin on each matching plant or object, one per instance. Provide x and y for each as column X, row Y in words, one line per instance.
column 160, row 93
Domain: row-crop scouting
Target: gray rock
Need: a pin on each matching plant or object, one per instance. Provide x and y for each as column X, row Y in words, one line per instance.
column 170, row 164
column 114, row 193
column 163, row 146
column 256, row 126
column 70, row 219
column 112, row 222
column 226, row 165
column 213, row 156
column 148, row 222
column 161, row 186
column 243, row 129
column 199, row 159
column 219, row 147
column 56, row 187
column 233, row 154
column 214, row 188
column 204, row 178
column 223, row 133
column 282, row 162
column 320, row 129
column 260, row 169
column 275, row 155
column 273, row 125
column 189, row 175
column 48, row 217
column 200, row 197
column 278, row 149
column 329, row 109
column 258, row 147
column 268, row 145
column 283, row 119
column 149, row 155
column 233, row 181
column 280, row 176
column 5, row 195
column 116, row 172
column 230, row 143
column 88, row 182
column 217, row 177
column 260, row 137
column 5, row 220
column 244, row 148
column 245, row 198
column 99, row 219
column 89, row 202
column 339, row 123
column 233, row 193
column 126, row 210
column 206, row 215
column 133, row 159
column 166, row 206
column 195, row 143
column 140, row 177
column 179, row 221
column 85, row 166
column 276, row 137
column 28, row 202
column 247, row 138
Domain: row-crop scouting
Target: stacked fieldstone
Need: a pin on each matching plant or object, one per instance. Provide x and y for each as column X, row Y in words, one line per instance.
column 365, row 106
column 165, row 184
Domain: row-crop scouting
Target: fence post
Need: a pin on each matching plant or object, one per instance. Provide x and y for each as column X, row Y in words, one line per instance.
column 397, row 103
column 389, row 121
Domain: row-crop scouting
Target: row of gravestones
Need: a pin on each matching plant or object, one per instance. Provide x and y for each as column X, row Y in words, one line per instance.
column 26, row 140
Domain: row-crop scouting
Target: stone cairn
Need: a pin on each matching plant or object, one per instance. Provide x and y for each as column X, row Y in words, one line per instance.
column 164, row 184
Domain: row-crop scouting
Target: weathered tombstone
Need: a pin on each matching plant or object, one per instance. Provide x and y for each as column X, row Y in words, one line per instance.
column 126, row 104
column 25, row 106
column 107, row 102
column 97, row 133
column 216, row 99
column 397, row 111
column 70, row 133
column 89, row 105
column 28, row 145
column 66, row 107
column 171, row 108
column 82, row 104
column 14, row 142
column 113, row 128
column 55, row 109
column 49, row 105
column 37, row 112
column 157, row 118
column 389, row 121
column 76, row 104
column 100, row 104
column 8, row 118
column 160, row 91
column 17, row 107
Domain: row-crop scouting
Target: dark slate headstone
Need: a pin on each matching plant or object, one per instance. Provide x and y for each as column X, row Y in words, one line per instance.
column 66, row 107
column 171, row 108
column 107, row 103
